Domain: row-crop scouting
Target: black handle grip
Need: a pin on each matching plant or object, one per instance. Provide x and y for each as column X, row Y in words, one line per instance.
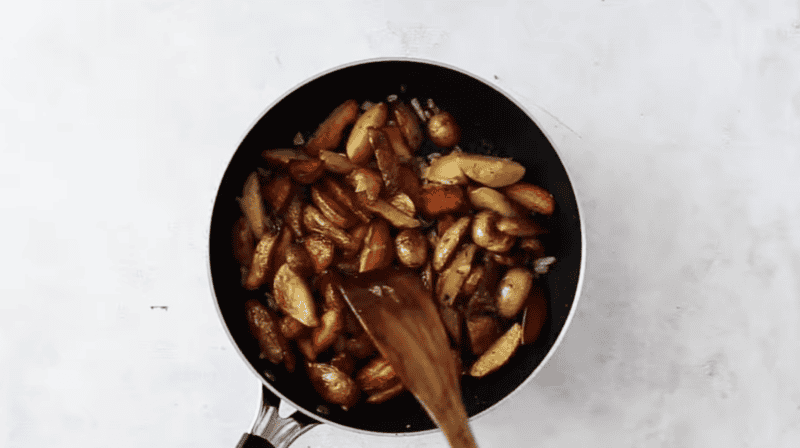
column 250, row 441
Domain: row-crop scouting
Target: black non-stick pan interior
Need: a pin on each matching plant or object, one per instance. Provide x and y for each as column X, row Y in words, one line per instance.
column 491, row 124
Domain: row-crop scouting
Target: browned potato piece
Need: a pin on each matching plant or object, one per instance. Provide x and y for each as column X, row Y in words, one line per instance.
column 486, row 198
column 259, row 266
column 298, row 259
column 307, row 171
column 321, row 250
column 411, row 247
column 315, row 221
column 520, row 227
column 294, row 216
column 335, row 212
column 386, row 394
column 253, row 206
column 336, row 162
column 444, row 223
column 513, row 291
column 280, row 251
column 486, row 235
column 329, row 133
column 377, row 252
column 278, row 192
column 391, row 214
column 473, row 280
column 443, row 130
column 376, row 375
column 293, row 296
column 358, row 147
column 403, row 202
column 333, row 385
column 402, row 151
column 357, row 233
column 532, row 197
column 243, row 242
column 284, row 156
column 499, row 353
column 330, row 328
column 388, row 164
column 264, row 327
column 446, row 170
column 347, row 198
column 493, row 172
column 483, row 331
column 408, row 123
column 535, row 314
column 449, row 241
column 344, row 361
column 291, row 328
column 409, row 183
column 435, row 200
column 360, row 346
column 328, row 285
column 427, row 277
column 451, row 279
column 366, row 183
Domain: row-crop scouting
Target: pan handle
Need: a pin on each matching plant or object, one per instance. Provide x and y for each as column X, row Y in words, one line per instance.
column 271, row 430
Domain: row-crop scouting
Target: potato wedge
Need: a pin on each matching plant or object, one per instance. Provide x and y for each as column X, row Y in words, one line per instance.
column 298, row 260
column 535, row 314
column 409, row 126
column 336, row 162
column 253, row 206
column 329, row 133
column 294, row 216
column 357, row 233
column 446, row 170
column 376, row 375
column 321, row 250
column 307, row 171
column 499, row 353
column 452, row 278
column 386, row 394
column 315, row 221
column 331, row 324
column 443, row 130
column 448, row 242
column 403, row 202
column 333, row 385
column 334, row 211
column 409, row 183
column 493, row 172
column 283, row 157
column 278, row 192
column 366, row 183
column 358, row 148
column 347, row 198
column 328, row 284
column 378, row 250
column 482, row 331
column 486, row 198
column 398, row 143
column 264, row 327
column 293, row 296
column 259, row 266
column 391, row 213
column 486, row 235
column 291, row 328
column 411, row 248
column 520, row 227
column 435, row 200
column 513, row 292
column 388, row 165
column 472, row 281
column 532, row 197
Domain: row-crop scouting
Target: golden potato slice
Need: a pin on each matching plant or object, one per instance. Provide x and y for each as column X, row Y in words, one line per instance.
column 493, row 172
column 278, row 192
column 485, row 198
column 307, row 171
column 294, row 216
column 472, row 281
column 403, row 202
column 409, row 183
column 399, row 146
column 358, row 148
column 411, row 248
column 293, row 296
column 486, row 235
column 315, row 221
column 378, row 250
column 347, row 198
column 333, row 385
column 513, row 292
column 443, row 130
column 448, row 242
column 376, row 375
column 336, row 162
column 499, row 353
column 264, row 327
column 435, row 200
column 321, row 250
column 328, row 284
column 391, row 213
column 520, row 227
column 253, row 206
column 292, row 328
column 388, row 165
column 483, row 331
column 409, row 126
column 335, row 212
column 532, row 197
column 357, row 234
column 535, row 314
column 299, row 260
column 452, row 278
column 366, row 183
column 329, row 133
column 329, row 330
column 259, row 266
column 284, row 156
column 446, row 170
column 386, row 394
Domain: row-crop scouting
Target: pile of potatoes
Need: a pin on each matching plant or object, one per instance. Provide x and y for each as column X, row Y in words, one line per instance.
column 316, row 213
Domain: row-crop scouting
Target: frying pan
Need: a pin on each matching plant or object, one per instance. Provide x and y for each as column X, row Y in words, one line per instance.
column 492, row 123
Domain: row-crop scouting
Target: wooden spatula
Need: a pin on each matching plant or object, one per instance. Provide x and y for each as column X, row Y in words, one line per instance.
column 401, row 317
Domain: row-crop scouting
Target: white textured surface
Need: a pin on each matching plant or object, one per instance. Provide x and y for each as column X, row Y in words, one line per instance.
column 679, row 121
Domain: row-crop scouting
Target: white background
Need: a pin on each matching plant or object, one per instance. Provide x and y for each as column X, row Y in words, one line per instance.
column 678, row 120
